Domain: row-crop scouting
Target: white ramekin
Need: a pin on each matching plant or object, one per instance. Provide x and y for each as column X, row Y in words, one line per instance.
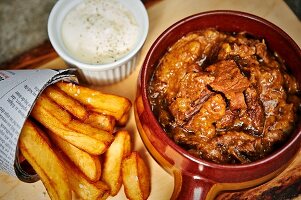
column 98, row 74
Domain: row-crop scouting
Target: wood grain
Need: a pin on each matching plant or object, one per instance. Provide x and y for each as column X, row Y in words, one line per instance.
column 286, row 185
column 37, row 56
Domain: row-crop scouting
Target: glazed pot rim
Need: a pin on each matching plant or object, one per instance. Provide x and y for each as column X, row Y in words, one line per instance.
column 143, row 81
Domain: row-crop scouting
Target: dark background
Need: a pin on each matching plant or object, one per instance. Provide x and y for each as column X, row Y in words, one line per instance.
column 295, row 5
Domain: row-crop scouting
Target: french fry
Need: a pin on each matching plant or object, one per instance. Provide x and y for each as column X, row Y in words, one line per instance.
column 108, row 104
column 80, row 123
column 111, row 173
column 88, row 164
column 48, row 166
column 101, row 121
column 66, row 102
column 91, row 142
column 57, row 111
column 65, row 118
column 88, row 129
column 127, row 145
column 135, row 177
column 81, row 186
column 86, row 190
column 123, row 120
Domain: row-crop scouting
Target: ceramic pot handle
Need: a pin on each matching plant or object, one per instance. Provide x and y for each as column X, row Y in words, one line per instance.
column 195, row 188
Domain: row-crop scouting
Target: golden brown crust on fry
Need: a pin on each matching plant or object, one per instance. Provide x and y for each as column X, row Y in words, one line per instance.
column 124, row 119
column 113, row 160
column 97, row 101
column 101, row 121
column 55, row 99
column 143, row 173
column 80, row 123
column 94, row 143
column 135, row 177
column 81, row 186
column 88, row 164
column 49, row 167
column 66, row 102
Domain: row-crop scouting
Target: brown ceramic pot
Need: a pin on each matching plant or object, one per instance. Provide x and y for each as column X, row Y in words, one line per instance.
column 196, row 178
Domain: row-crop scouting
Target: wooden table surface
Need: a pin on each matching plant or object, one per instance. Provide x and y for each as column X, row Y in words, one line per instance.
column 162, row 14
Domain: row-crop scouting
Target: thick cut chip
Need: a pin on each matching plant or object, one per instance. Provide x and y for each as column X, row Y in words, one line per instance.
column 38, row 152
column 88, row 164
column 127, row 144
column 55, row 110
column 135, row 177
column 101, row 121
column 123, row 120
column 85, row 189
column 66, row 102
column 64, row 107
column 97, row 101
column 120, row 148
column 81, row 135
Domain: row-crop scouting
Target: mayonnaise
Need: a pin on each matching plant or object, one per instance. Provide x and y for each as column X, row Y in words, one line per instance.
column 99, row 31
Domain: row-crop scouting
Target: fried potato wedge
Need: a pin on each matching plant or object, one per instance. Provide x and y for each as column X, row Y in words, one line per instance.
column 38, row 152
column 88, row 129
column 101, row 121
column 135, row 177
column 57, row 111
column 95, row 142
column 88, row 164
column 81, row 186
column 127, row 145
column 65, row 118
column 66, row 102
column 111, row 173
column 97, row 101
column 98, row 120
column 123, row 120
column 87, row 190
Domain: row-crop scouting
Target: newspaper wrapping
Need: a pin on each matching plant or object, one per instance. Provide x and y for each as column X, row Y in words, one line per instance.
column 19, row 91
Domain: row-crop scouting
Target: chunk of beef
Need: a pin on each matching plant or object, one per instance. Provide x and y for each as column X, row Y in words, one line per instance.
column 230, row 147
column 290, row 84
column 227, row 121
column 253, row 119
column 269, row 82
column 229, row 81
column 192, row 94
column 238, row 46
column 266, row 57
column 261, row 51
column 202, row 124
column 278, row 126
column 174, row 65
column 182, row 58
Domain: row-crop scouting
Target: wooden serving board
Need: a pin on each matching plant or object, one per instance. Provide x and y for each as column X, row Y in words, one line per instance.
column 162, row 14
